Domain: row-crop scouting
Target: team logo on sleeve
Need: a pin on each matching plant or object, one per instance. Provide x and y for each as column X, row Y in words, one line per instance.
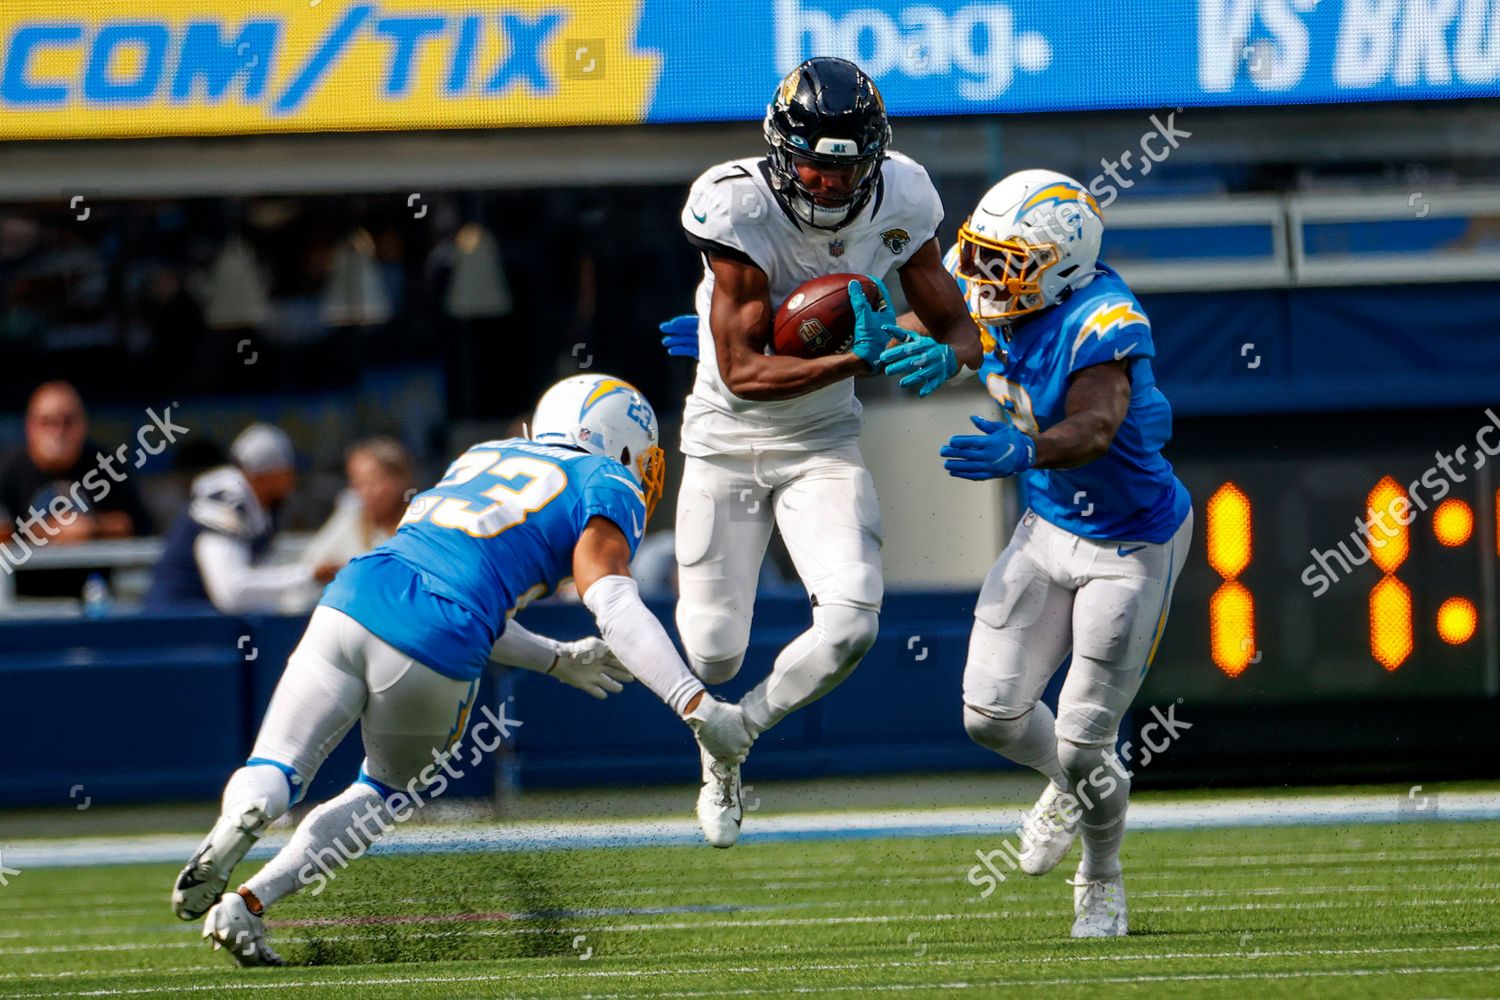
column 895, row 240
column 1106, row 319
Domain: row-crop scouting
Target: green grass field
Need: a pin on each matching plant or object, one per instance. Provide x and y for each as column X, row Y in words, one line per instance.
column 1397, row 910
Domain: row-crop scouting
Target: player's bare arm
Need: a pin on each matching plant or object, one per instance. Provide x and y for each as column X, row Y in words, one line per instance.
column 938, row 307
column 602, row 551
column 1098, row 399
column 740, row 318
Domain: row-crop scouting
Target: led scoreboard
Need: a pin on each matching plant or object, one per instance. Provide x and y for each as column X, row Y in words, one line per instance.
column 1354, row 557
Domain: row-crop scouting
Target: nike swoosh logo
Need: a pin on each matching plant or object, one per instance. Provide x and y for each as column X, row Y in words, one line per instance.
column 704, row 218
column 635, row 524
column 1005, row 456
column 1123, row 551
column 1119, row 355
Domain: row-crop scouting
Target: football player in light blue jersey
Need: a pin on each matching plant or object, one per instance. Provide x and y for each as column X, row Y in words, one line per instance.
column 1089, row 573
column 403, row 633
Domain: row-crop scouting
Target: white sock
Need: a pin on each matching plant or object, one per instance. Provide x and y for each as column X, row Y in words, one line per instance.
column 811, row 665
column 337, row 832
column 1102, row 824
column 257, row 781
column 1101, row 848
column 253, row 796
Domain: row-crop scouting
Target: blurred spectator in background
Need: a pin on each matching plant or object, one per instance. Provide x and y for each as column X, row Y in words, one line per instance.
column 217, row 547
column 380, row 474
column 51, row 464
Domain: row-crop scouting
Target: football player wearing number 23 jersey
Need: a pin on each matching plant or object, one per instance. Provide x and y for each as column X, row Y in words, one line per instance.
column 1088, row 574
column 401, row 637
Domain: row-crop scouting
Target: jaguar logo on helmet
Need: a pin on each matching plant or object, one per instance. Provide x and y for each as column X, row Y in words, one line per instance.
column 895, row 240
column 788, row 88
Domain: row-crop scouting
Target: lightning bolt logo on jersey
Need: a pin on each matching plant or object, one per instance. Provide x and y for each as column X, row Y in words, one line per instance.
column 1129, row 493
column 496, row 532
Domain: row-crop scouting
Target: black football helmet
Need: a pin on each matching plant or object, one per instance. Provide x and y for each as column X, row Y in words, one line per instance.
column 827, row 112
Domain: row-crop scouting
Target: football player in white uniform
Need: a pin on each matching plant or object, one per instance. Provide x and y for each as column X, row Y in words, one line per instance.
column 1087, row 578
column 775, row 438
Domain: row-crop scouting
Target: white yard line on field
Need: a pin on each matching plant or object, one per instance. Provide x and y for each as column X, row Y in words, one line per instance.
column 1240, row 812
column 985, row 913
column 660, row 958
column 954, row 876
column 270, row 984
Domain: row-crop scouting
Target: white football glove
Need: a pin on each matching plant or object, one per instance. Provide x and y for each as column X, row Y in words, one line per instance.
column 720, row 728
column 588, row 665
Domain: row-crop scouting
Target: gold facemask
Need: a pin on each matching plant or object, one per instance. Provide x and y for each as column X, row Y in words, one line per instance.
column 652, row 469
column 1004, row 276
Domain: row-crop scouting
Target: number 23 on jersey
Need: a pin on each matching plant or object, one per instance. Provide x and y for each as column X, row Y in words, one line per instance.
column 515, row 487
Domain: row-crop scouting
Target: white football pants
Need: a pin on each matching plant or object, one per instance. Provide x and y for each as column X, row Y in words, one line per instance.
column 340, row 673
column 1052, row 593
column 825, row 505
column 411, row 717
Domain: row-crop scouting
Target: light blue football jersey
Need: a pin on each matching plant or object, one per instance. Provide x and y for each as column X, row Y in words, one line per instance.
column 1129, row 493
column 497, row 532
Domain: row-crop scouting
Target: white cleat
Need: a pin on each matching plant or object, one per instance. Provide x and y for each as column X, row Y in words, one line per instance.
column 230, row 925
column 721, row 802
column 1045, row 835
column 1099, row 907
column 203, row 879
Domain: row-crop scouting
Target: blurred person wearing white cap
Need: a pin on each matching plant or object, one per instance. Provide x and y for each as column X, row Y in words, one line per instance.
column 216, row 548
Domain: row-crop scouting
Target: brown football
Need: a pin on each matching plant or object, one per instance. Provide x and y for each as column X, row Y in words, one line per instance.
column 817, row 319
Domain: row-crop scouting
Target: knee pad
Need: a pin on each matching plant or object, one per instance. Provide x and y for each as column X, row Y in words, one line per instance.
column 849, row 631
column 715, row 671
column 1079, row 760
column 715, row 643
column 990, row 732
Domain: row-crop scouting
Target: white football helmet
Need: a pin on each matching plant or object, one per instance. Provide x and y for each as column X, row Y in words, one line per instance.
column 1031, row 238
column 604, row 415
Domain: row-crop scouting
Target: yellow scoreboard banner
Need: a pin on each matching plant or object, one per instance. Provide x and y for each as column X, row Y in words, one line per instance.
column 96, row 68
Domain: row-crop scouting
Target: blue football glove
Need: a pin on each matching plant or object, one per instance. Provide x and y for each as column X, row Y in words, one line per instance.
column 870, row 336
column 681, row 336
column 1000, row 450
column 924, row 362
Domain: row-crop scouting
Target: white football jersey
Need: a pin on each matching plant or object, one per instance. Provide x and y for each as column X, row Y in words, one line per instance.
column 731, row 211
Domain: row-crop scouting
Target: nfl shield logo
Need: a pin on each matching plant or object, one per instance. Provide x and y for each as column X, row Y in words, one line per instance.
column 835, row 248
